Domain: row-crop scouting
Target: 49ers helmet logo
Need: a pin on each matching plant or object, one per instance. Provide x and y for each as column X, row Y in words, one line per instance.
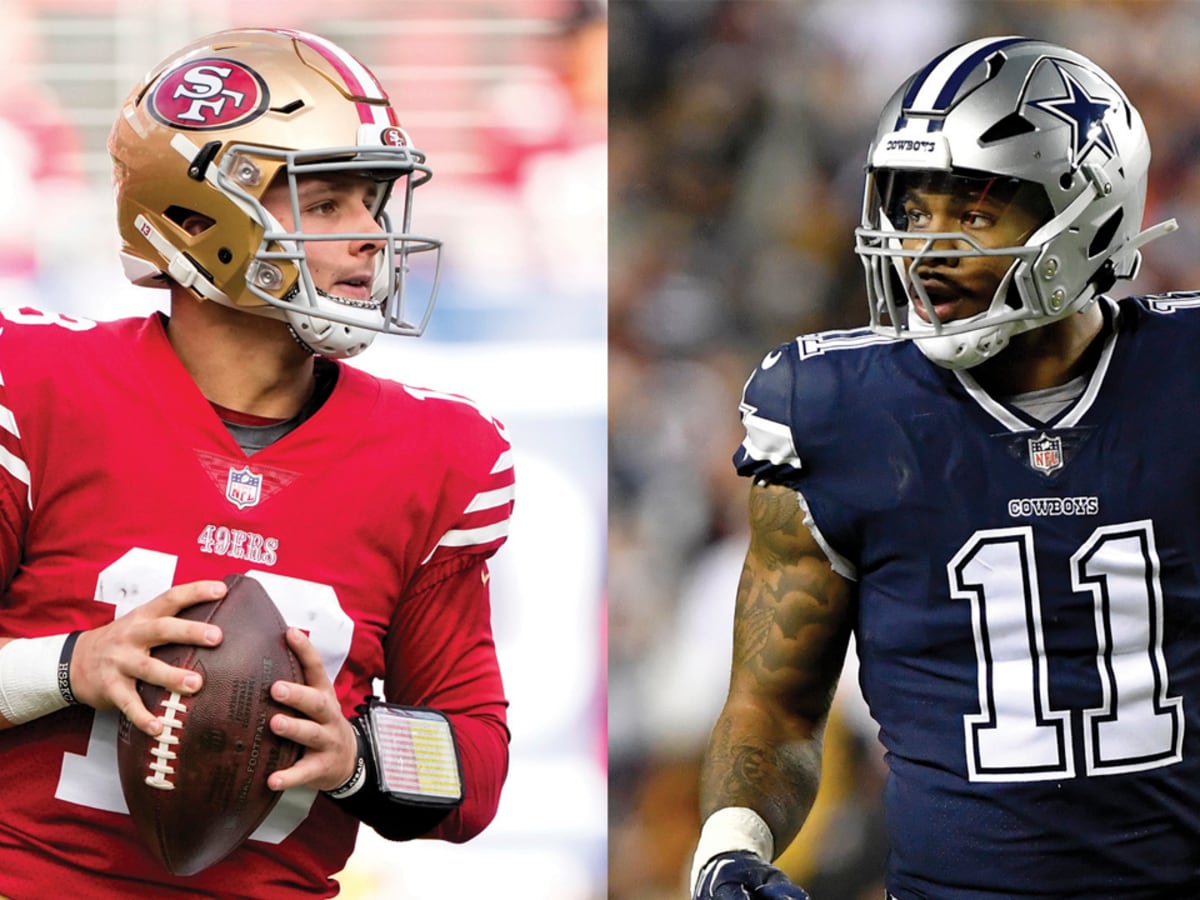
column 209, row 93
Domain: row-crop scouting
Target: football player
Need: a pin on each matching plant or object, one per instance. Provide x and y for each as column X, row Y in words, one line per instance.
column 993, row 490
column 263, row 179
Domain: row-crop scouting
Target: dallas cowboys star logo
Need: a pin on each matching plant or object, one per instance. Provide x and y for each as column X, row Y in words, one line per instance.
column 1084, row 113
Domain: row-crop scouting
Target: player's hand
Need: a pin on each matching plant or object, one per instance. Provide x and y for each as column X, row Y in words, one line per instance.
column 330, row 744
column 742, row 875
column 109, row 661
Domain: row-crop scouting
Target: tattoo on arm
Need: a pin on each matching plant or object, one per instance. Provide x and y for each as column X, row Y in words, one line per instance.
column 791, row 628
column 792, row 611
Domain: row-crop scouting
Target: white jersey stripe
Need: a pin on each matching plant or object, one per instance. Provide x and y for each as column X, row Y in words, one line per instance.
column 467, row 537
column 15, row 466
column 470, row 537
column 503, row 463
column 8, row 422
column 491, row 499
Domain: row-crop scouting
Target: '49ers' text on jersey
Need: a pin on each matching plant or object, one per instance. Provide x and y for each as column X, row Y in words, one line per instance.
column 369, row 525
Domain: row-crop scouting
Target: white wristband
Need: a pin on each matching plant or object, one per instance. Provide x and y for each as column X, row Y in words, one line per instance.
column 29, row 686
column 732, row 828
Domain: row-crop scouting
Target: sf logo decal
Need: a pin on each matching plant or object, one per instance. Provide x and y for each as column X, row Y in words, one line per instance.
column 209, row 93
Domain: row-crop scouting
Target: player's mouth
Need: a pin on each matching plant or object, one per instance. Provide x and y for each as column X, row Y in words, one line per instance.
column 946, row 296
column 356, row 288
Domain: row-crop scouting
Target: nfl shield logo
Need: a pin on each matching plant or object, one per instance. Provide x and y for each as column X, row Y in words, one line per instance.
column 243, row 488
column 1045, row 453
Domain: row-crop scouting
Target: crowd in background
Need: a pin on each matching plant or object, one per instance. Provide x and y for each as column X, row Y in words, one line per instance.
column 738, row 132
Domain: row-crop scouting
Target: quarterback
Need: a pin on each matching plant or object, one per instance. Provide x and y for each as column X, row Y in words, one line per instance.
column 143, row 460
column 994, row 489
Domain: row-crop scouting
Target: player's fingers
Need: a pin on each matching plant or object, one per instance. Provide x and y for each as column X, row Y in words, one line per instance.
column 131, row 706
column 310, row 660
column 155, row 671
column 182, row 596
column 317, row 704
column 168, row 630
column 314, row 769
column 304, row 732
column 293, row 776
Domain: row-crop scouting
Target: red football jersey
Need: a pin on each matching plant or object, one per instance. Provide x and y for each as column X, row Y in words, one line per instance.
column 368, row 525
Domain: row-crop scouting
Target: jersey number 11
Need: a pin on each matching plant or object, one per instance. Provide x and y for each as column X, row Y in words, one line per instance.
column 1017, row 735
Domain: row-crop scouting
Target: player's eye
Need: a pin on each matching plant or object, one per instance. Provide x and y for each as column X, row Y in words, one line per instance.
column 916, row 218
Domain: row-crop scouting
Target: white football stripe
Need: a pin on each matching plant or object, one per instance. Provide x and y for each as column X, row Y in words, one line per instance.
column 15, row 466
column 8, row 421
column 467, row 537
column 503, row 463
column 491, row 499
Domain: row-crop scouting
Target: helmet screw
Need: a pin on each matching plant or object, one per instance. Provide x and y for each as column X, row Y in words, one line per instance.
column 1050, row 269
column 267, row 276
column 1057, row 299
column 246, row 172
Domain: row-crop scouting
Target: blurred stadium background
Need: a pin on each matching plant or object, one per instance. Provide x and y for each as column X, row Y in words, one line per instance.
column 507, row 97
column 738, row 130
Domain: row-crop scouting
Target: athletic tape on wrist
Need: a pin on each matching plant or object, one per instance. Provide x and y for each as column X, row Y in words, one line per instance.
column 732, row 828
column 30, row 684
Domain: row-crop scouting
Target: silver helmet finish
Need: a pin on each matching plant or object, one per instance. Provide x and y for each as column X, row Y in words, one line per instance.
column 1054, row 127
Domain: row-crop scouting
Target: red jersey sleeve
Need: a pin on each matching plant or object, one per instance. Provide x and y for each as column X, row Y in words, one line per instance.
column 440, row 651
column 14, row 481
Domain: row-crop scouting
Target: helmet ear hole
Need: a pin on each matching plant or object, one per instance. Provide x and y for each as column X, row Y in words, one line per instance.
column 1065, row 180
column 189, row 220
column 1105, row 233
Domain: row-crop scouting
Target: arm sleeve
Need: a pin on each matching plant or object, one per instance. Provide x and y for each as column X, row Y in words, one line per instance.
column 439, row 651
column 440, row 654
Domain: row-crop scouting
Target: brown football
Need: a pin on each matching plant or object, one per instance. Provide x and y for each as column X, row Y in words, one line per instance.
column 198, row 790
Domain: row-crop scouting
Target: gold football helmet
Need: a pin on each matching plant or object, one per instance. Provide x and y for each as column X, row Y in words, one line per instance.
column 215, row 124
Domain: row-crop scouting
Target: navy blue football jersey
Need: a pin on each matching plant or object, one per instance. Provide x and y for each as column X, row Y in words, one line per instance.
column 1028, row 619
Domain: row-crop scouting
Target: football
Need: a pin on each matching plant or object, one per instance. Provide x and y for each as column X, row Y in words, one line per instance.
column 198, row 790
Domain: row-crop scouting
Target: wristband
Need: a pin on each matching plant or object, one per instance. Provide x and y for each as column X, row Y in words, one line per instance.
column 358, row 777
column 732, row 828
column 64, row 669
column 35, row 677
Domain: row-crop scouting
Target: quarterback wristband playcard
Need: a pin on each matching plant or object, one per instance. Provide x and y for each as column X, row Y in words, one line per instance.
column 416, row 757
